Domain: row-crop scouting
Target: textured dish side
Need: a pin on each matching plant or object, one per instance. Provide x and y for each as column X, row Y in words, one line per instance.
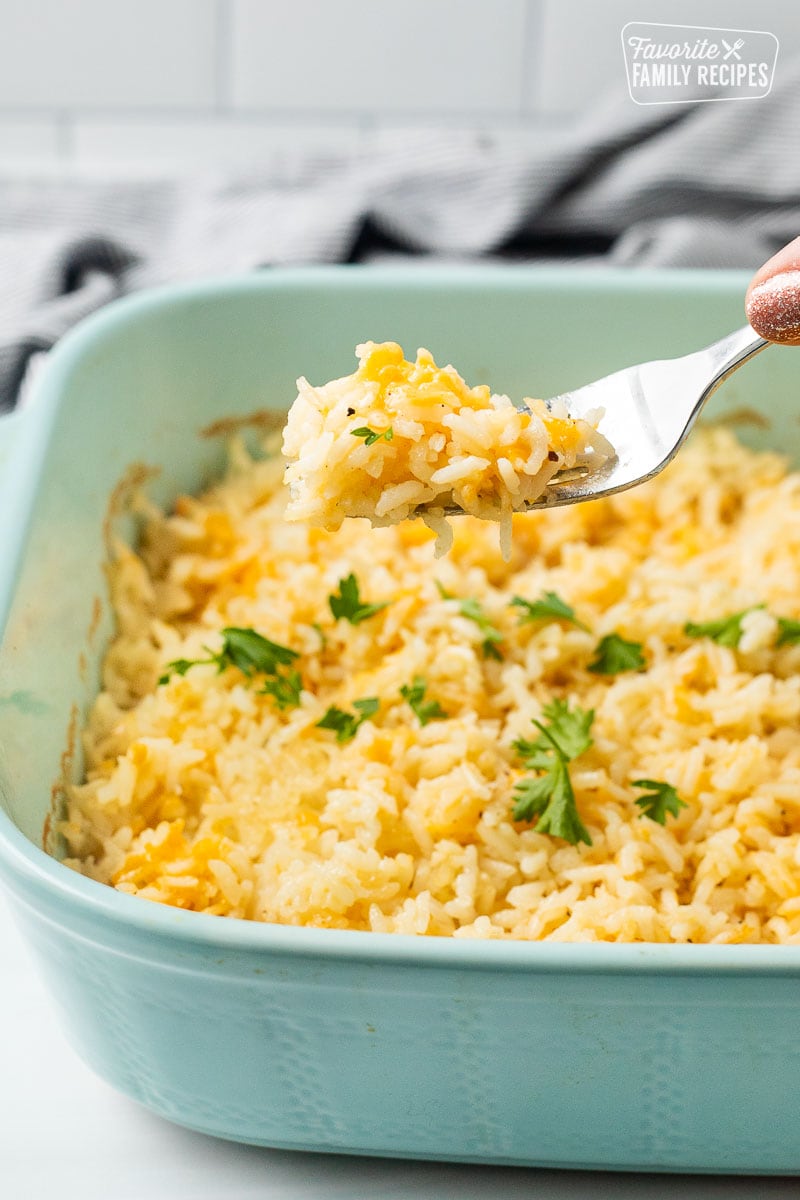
column 620, row 1057
column 536, row 1066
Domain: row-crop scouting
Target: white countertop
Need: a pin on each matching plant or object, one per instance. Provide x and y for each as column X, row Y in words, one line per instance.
column 64, row 1132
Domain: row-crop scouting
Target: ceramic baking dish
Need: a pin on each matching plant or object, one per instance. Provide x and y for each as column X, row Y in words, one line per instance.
column 676, row 1058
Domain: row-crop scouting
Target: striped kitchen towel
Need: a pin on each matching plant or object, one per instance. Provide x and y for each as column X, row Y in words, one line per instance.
column 697, row 185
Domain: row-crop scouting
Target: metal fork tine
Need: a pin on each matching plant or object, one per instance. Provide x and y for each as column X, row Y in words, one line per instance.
column 649, row 410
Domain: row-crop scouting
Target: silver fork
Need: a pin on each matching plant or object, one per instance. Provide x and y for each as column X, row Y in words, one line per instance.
column 649, row 411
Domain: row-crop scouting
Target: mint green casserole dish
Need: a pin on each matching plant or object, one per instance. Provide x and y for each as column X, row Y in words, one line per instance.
column 655, row 1057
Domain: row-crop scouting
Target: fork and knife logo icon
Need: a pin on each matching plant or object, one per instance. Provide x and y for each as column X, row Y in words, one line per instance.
column 732, row 50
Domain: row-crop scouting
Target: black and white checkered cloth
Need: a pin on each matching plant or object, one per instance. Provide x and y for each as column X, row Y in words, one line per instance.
column 705, row 185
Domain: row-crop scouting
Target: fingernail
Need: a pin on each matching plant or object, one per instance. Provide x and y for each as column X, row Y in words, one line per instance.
column 773, row 307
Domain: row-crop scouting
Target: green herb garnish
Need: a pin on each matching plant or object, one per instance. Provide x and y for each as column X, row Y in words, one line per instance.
column 549, row 607
column 414, row 695
column 250, row 652
column 345, row 724
column 788, row 632
column 727, row 631
column 492, row 637
column 613, row 655
column 549, row 797
column 472, row 608
column 285, row 689
column 659, row 799
column 347, row 602
column 179, row 666
column 371, row 437
column 242, row 648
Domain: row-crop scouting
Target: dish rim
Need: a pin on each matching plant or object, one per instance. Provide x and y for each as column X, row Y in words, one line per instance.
column 31, row 865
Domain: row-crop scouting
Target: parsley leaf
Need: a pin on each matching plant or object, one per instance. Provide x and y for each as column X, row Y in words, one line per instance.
column 492, row 637
column 179, row 666
column 249, row 651
column 285, row 689
column 242, row 648
column 370, row 436
column 572, row 728
column 414, row 695
column 348, row 603
column 345, row 724
column 473, row 610
column 549, row 607
column 788, row 632
column 613, row 655
column 659, row 799
column 550, row 797
column 727, row 631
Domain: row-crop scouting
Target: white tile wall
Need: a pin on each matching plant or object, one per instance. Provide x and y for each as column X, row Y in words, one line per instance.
column 173, row 84
column 28, row 140
column 107, row 53
column 183, row 143
column 363, row 55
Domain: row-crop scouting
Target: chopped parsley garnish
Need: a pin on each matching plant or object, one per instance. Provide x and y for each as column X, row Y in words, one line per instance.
column 472, row 608
column 788, row 632
column 371, row 437
column 426, row 710
column 613, row 655
column 727, row 631
column 345, row 724
column 323, row 639
column 659, row 799
column 549, row 607
column 242, row 648
column 549, row 796
column 285, row 689
column 570, row 726
column 347, row 602
column 250, row 652
column 179, row 666
column 492, row 637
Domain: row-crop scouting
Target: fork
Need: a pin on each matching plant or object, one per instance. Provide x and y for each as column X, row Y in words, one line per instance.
column 651, row 408
column 649, row 411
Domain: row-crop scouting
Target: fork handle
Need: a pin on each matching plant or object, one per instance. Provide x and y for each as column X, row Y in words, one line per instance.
column 729, row 353
column 772, row 303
